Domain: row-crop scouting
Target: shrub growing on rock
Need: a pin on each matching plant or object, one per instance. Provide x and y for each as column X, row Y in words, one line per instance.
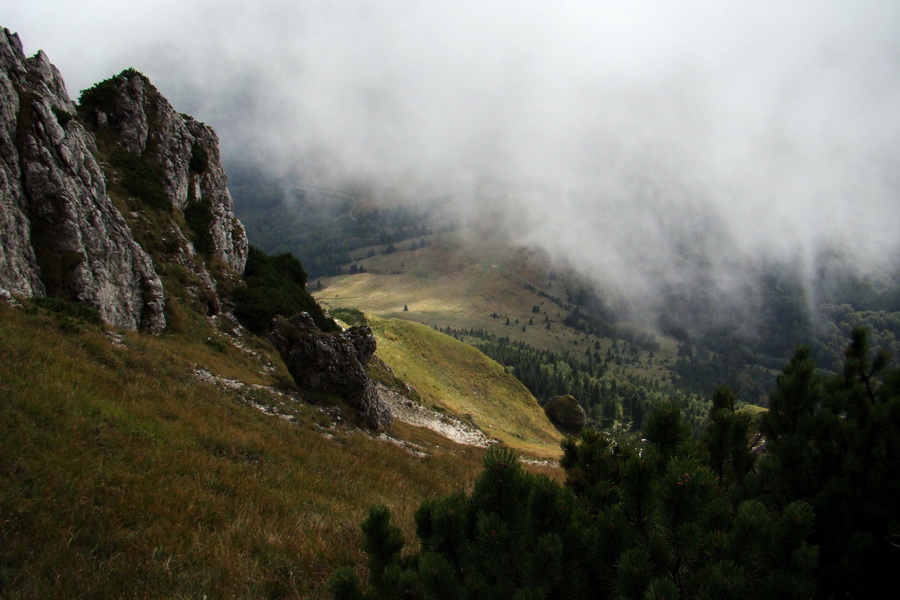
column 275, row 285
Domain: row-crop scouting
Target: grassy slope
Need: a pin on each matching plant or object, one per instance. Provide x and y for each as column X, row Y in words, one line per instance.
column 453, row 376
column 122, row 476
column 460, row 282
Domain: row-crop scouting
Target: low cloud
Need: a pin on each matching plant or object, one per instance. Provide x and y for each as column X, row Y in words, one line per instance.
column 653, row 144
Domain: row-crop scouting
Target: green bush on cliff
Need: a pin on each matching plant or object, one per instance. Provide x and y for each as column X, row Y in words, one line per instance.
column 105, row 96
column 141, row 178
column 275, row 285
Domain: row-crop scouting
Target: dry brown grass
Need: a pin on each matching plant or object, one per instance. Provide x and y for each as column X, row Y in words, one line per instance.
column 123, row 476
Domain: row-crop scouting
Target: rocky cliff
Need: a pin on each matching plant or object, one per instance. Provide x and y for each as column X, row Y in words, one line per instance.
column 127, row 113
column 95, row 198
column 120, row 202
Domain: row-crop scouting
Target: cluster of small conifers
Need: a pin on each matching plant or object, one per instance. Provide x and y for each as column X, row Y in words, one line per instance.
column 673, row 516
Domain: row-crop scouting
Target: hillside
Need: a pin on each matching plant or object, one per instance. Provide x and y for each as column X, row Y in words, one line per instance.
column 559, row 334
column 455, row 378
column 181, row 466
column 455, row 279
column 502, row 299
column 153, row 440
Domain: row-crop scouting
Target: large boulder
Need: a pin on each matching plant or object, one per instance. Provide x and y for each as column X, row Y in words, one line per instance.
column 332, row 363
column 566, row 414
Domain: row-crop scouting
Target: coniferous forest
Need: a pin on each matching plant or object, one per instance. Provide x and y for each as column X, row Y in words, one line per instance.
column 674, row 515
column 606, row 398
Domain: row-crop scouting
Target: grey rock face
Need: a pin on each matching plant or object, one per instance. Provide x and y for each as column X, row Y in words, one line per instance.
column 334, row 363
column 142, row 122
column 61, row 233
column 18, row 266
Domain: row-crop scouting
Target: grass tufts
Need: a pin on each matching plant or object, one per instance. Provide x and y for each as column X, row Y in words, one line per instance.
column 122, row 475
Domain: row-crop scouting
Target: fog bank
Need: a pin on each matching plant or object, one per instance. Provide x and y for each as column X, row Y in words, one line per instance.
column 654, row 145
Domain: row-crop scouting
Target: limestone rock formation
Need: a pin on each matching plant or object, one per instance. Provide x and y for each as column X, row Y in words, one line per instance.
column 60, row 232
column 94, row 197
column 566, row 414
column 129, row 111
column 334, row 363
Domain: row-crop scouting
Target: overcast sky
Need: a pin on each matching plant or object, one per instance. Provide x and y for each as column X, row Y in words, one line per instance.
column 612, row 134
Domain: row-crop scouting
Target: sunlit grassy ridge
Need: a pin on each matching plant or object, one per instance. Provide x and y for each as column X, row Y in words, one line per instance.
column 463, row 283
column 453, row 376
column 122, row 475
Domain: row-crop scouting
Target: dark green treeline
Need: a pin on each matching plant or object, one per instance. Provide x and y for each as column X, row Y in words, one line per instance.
column 674, row 515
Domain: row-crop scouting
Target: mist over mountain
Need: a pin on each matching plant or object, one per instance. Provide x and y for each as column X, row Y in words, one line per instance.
column 669, row 152
column 166, row 434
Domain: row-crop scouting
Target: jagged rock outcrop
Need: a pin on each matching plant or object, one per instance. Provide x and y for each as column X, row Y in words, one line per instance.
column 566, row 414
column 130, row 112
column 18, row 266
column 333, row 363
column 59, row 231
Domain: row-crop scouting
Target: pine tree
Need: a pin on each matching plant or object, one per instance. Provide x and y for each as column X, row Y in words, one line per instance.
column 834, row 443
column 671, row 516
column 665, row 428
column 382, row 542
column 795, row 431
column 725, row 439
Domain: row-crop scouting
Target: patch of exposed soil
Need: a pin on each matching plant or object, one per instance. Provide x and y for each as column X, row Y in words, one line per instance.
column 450, row 427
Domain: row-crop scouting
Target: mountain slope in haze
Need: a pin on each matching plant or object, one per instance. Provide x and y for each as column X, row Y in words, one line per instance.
column 516, row 307
column 322, row 227
column 491, row 293
column 479, row 288
column 453, row 280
